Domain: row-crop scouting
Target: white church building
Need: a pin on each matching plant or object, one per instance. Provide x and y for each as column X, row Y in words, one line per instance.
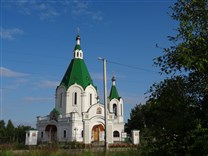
column 78, row 114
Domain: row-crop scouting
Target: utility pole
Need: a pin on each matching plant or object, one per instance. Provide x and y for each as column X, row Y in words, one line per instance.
column 105, row 101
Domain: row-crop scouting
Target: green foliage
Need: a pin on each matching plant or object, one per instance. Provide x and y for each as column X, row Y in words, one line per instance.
column 197, row 140
column 174, row 120
column 190, row 45
column 73, row 145
column 133, row 122
column 11, row 134
column 10, row 131
column 20, row 133
column 6, row 153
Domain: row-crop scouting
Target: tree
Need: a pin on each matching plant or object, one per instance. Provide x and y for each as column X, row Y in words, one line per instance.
column 20, row 132
column 10, row 131
column 12, row 134
column 176, row 112
column 2, row 131
column 178, row 105
column 133, row 122
column 169, row 117
column 190, row 45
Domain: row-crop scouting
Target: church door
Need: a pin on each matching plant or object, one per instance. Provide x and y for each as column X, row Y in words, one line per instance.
column 96, row 134
column 52, row 132
column 97, row 129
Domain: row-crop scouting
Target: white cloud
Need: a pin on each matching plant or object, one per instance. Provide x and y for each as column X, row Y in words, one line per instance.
column 29, row 100
column 21, row 80
column 50, row 10
column 9, row 34
column 5, row 72
column 49, row 14
column 98, row 16
column 44, row 10
column 82, row 8
column 48, row 84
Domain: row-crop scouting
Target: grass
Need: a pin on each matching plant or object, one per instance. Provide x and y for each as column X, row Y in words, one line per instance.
column 62, row 149
column 127, row 152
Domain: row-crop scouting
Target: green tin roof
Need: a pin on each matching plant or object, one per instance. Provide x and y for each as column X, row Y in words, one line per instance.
column 77, row 73
column 77, row 47
column 113, row 93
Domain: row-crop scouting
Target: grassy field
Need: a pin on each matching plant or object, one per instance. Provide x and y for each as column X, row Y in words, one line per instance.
column 49, row 152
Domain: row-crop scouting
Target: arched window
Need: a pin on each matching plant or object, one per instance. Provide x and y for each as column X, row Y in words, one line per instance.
column 61, row 100
column 115, row 134
column 77, row 54
column 99, row 110
column 75, row 98
column 64, row 133
column 90, row 99
column 115, row 109
column 121, row 110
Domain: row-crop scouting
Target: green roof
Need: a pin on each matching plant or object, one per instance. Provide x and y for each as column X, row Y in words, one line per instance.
column 114, row 93
column 55, row 111
column 77, row 73
column 77, row 47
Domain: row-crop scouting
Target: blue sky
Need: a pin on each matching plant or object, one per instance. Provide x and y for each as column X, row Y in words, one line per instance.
column 38, row 37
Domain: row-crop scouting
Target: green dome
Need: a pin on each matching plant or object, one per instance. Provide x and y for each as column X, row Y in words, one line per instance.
column 77, row 73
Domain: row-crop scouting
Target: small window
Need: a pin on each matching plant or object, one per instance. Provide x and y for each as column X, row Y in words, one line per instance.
column 28, row 134
column 115, row 134
column 77, row 54
column 41, row 134
column 75, row 98
column 115, row 109
column 64, row 133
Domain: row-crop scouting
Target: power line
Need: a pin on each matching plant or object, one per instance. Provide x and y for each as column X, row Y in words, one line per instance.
column 132, row 67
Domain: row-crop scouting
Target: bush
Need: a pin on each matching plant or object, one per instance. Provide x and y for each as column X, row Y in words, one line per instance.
column 73, row 145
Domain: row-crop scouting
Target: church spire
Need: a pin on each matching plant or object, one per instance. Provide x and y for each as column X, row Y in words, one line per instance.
column 77, row 71
column 113, row 81
column 78, row 54
column 113, row 92
column 78, row 39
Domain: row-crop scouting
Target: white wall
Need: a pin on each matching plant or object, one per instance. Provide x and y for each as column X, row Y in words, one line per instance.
column 31, row 137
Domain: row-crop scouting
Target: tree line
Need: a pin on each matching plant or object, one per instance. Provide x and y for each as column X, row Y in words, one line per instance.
column 174, row 120
column 11, row 134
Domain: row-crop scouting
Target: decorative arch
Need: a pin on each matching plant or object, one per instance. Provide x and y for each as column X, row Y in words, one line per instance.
column 52, row 132
column 75, row 87
column 98, row 132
